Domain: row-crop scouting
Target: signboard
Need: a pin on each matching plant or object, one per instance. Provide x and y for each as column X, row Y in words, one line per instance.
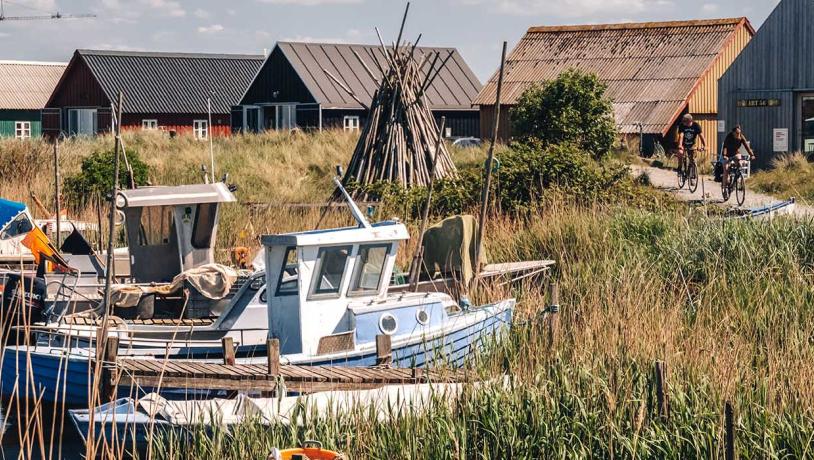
column 781, row 139
column 758, row 102
column 721, row 126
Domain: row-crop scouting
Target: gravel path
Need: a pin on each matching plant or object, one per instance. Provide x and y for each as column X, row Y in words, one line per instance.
column 666, row 180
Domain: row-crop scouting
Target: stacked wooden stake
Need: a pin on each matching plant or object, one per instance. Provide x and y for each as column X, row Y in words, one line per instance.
column 399, row 139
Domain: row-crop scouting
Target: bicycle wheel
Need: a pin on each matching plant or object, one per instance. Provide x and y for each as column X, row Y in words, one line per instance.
column 682, row 176
column 692, row 177
column 726, row 188
column 740, row 189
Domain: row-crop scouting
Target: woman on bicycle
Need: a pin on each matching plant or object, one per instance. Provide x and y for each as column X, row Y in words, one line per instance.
column 732, row 145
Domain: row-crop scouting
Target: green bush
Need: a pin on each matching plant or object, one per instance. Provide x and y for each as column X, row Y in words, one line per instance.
column 572, row 108
column 96, row 176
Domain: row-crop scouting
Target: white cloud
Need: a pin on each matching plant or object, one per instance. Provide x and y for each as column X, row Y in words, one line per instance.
column 213, row 29
column 569, row 8
column 168, row 7
column 312, row 2
column 201, row 13
column 709, row 8
column 310, row 39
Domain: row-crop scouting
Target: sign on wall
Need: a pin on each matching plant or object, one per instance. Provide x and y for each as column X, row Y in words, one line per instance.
column 781, row 139
column 758, row 102
column 721, row 126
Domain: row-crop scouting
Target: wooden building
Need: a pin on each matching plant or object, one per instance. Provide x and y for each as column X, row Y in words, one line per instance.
column 655, row 71
column 162, row 91
column 769, row 89
column 301, row 86
column 24, row 91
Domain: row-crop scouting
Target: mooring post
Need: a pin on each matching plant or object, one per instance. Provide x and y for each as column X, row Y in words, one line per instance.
column 273, row 352
column 729, row 427
column 554, row 314
column 384, row 352
column 109, row 371
column 661, row 393
column 417, row 374
column 228, row 345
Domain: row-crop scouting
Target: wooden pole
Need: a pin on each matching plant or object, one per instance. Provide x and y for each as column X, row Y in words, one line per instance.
column 554, row 314
column 112, row 221
column 729, row 426
column 209, row 136
column 228, row 345
column 484, row 207
column 111, row 355
column 418, row 258
column 384, row 352
column 661, row 393
column 57, row 192
column 100, row 243
column 273, row 352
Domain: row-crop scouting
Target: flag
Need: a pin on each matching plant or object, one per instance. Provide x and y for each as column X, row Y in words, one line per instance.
column 15, row 222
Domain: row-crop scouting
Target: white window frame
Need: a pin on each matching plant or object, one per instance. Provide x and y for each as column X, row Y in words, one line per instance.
column 200, row 129
column 79, row 128
column 22, row 129
column 351, row 123
column 149, row 124
column 285, row 117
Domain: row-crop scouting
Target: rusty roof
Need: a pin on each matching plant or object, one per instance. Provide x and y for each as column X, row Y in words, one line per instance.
column 454, row 89
column 26, row 85
column 651, row 68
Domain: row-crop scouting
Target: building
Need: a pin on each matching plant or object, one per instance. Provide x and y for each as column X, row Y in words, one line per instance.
column 162, row 91
column 24, row 91
column 769, row 89
column 655, row 71
column 294, row 88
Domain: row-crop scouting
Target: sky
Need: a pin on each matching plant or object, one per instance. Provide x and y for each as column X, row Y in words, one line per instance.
column 476, row 27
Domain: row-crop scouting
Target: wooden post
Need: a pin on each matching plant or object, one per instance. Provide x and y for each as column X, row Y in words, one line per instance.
column 228, row 345
column 729, row 427
column 112, row 221
column 57, row 192
column 661, row 393
column 273, row 349
column 554, row 314
column 109, row 370
column 384, row 352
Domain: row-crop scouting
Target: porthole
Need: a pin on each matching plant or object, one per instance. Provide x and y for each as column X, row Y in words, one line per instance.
column 263, row 297
column 388, row 324
column 422, row 317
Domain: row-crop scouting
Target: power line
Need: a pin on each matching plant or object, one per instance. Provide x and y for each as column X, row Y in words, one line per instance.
column 51, row 15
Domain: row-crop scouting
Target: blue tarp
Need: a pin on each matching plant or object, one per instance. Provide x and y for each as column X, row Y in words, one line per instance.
column 9, row 210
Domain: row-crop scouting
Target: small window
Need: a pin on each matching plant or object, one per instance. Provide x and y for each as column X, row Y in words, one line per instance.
column 351, row 123
column 22, row 130
column 203, row 225
column 156, row 226
column 200, row 128
column 288, row 283
column 422, row 317
column 330, row 269
column 19, row 226
column 149, row 125
column 367, row 273
column 388, row 324
column 447, row 132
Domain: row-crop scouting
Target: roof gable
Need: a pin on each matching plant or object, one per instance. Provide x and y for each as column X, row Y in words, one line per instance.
column 358, row 67
column 27, row 85
column 171, row 82
column 651, row 69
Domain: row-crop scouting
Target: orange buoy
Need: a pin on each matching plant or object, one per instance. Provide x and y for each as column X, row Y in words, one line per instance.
column 311, row 450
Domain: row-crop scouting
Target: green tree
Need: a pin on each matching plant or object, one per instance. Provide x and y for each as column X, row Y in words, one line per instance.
column 96, row 176
column 571, row 109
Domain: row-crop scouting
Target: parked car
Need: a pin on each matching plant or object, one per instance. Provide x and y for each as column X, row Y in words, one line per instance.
column 467, row 142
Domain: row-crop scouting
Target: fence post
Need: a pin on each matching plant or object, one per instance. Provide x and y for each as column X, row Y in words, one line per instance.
column 273, row 349
column 554, row 314
column 661, row 393
column 729, row 426
column 384, row 352
column 228, row 345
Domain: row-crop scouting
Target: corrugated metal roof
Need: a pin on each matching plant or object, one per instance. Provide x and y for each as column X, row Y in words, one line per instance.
column 454, row 88
column 172, row 82
column 27, row 85
column 651, row 68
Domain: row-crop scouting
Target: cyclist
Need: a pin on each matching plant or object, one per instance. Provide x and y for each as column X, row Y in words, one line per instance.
column 688, row 132
column 732, row 144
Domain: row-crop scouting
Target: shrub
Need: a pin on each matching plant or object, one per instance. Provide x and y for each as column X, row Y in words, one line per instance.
column 96, row 176
column 572, row 108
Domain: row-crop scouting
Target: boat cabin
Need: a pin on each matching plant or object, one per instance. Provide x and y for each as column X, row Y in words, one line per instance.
column 171, row 229
column 314, row 278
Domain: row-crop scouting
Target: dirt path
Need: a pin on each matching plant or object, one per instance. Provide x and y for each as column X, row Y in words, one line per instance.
column 666, row 180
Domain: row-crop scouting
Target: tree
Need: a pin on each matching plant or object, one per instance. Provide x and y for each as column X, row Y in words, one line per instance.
column 96, row 176
column 571, row 109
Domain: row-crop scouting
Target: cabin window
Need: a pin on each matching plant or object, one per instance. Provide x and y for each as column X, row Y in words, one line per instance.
column 149, row 125
column 422, row 317
column 22, row 130
column 200, row 128
column 351, row 123
column 331, row 264
column 156, row 226
column 367, row 273
column 288, row 283
column 19, row 226
column 204, row 225
column 388, row 324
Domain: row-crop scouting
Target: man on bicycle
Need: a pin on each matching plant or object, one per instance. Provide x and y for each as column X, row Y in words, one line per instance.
column 688, row 132
column 732, row 145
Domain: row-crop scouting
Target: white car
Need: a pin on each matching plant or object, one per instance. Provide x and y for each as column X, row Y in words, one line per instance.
column 467, row 142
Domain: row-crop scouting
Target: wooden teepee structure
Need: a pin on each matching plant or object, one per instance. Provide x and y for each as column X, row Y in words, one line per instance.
column 399, row 138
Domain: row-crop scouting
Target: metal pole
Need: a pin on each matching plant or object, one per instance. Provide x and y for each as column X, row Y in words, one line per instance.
column 112, row 221
column 209, row 135
column 484, row 208
column 57, row 199
column 320, row 117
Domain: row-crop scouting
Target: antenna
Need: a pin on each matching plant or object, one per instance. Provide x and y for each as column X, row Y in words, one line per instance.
column 54, row 15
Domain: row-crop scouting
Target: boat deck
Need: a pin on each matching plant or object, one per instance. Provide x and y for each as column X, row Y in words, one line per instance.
column 256, row 377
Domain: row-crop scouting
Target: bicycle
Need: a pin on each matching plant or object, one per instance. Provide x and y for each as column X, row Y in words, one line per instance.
column 736, row 181
column 688, row 171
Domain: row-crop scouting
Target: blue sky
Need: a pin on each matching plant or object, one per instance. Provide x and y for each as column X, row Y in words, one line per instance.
column 475, row 27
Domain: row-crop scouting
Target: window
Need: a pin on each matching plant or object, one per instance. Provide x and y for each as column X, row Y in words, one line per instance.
column 252, row 120
column 200, row 128
column 19, row 226
column 82, row 122
column 203, row 225
column 156, row 226
column 330, row 269
column 808, row 124
column 388, row 324
column 447, row 131
column 149, row 125
column 22, row 130
column 367, row 273
column 286, row 117
column 288, row 283
column 351, row 123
